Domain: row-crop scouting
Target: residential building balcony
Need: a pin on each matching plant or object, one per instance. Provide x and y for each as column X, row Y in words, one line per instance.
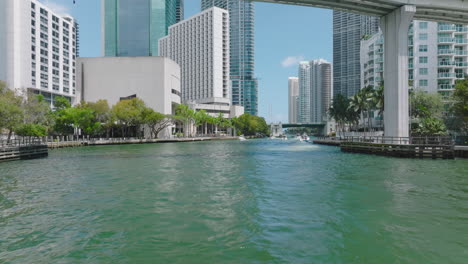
column 446, row 40
column 446, row 86
column 461, row 41
column 462, row 28
column 461, row 52
column 446, row 52
column 446, row 64
column 461, row 64
column 444, row 27
column 445, row 75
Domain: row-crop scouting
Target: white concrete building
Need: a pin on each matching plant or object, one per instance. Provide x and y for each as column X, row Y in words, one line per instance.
column 38, row 49
column 293, row 97
column 200, row 45
column 315, row 88
column 155, row 80
column 438, row 57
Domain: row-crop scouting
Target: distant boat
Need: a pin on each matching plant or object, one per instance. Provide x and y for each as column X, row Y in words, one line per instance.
column 242, row 138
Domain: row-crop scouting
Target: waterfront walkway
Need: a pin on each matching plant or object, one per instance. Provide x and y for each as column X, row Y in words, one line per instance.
column 126, row 141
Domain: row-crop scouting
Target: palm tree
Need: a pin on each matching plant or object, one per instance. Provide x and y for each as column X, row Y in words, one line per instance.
column 201, row 118
column 339, row 111
column 186, row 115
column 379, row 100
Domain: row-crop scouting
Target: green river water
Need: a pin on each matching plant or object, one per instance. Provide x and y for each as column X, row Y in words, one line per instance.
column 258, row 201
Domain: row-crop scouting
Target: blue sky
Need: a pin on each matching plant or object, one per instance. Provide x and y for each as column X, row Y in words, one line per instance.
column 284, row 35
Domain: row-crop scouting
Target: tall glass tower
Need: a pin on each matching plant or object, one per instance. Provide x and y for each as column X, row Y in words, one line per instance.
column 244, row 85
column 348, row 30
column 134, row 27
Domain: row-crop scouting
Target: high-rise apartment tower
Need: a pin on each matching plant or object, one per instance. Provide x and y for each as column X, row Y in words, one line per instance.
column 200, row 45
column 293, row 97
column 38, row 49
column 348, row 30
column 315, row 87
column 244, row 85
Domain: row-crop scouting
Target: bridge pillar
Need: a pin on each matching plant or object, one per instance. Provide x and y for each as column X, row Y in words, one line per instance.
column 395, row 28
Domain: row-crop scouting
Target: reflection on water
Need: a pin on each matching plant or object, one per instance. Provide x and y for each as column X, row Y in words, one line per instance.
column 258, row 201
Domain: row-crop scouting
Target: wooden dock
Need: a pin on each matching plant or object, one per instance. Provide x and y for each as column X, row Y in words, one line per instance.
column 9, row 153
column 328, row 142
column 401, row 151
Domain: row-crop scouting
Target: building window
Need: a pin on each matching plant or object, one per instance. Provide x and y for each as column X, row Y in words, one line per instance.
column 422, row 59
column 422, row 25
column 423, row 71
column 422, row 48
column 423, row 83
column 423, row 36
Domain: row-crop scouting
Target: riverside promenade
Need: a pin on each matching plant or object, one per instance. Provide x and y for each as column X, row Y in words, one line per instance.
column 20, row 149
column 126, row 141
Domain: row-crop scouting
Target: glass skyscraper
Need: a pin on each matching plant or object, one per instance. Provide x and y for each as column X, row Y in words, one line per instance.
column 348, row 30
column 134, row 27
column 244, row 85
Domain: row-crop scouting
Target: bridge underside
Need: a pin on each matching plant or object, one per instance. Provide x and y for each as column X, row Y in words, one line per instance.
column 451, row 11
column 395, row 17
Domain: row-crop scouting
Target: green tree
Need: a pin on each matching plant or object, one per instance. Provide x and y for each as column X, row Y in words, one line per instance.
column 157, row 122
column 11, row 111
column 37, row 111
column 128, row 113
column 31, row 130
column 426, row 112
column 459, row 108
column 339, row 111
column 429, row 126
column 426, row 105
column 202, row 119
column 186, row 116
column 63, row 119
column 251, row 125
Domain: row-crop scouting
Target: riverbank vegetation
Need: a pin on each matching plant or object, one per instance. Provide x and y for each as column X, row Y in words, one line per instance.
column 31, row 116
column 430, row 113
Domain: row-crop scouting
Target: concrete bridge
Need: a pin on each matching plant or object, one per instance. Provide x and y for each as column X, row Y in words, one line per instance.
column 277, row 128
column 396, row 16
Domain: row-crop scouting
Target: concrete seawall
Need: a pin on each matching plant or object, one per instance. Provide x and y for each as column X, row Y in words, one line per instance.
column 23, row 152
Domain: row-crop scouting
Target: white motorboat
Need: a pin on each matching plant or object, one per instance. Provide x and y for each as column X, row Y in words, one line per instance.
column 242, row 138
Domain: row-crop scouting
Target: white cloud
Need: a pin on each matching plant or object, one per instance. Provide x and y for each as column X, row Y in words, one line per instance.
column 291, row 61
column 59, row 8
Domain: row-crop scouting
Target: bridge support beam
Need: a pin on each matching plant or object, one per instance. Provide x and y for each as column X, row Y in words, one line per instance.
column 395, row 28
